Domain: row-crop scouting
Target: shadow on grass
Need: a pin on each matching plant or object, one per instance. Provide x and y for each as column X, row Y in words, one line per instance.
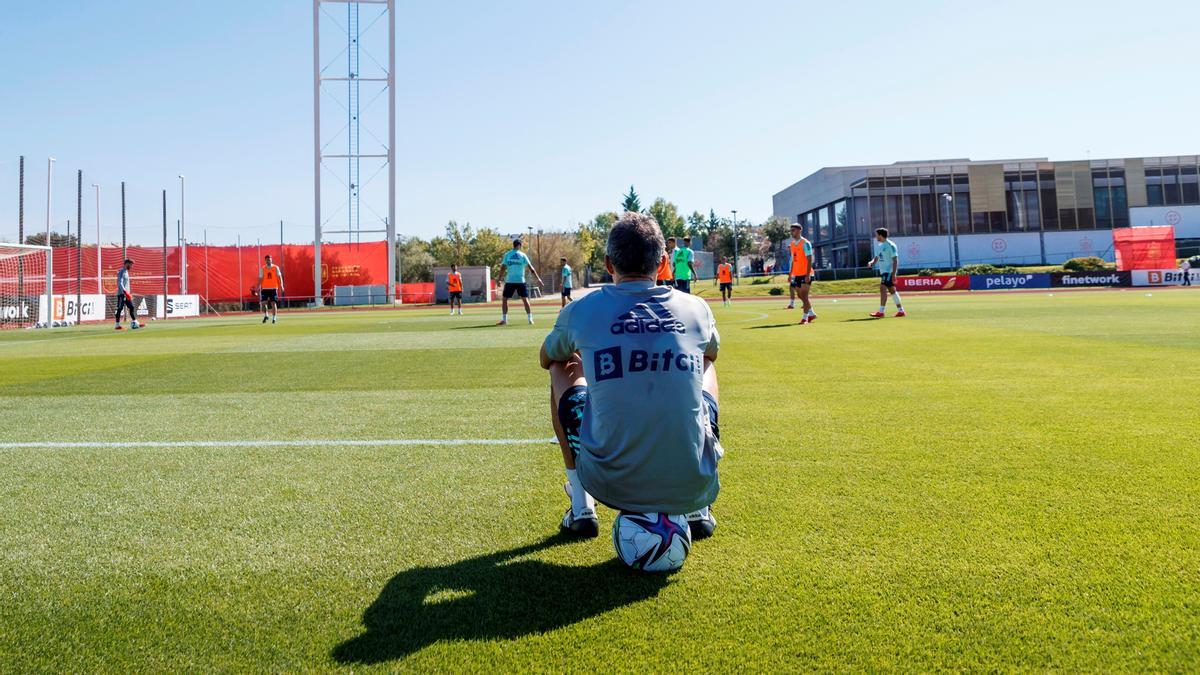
column 482, row 325
column 774, row 325
column 865, row 318
column 490, row 597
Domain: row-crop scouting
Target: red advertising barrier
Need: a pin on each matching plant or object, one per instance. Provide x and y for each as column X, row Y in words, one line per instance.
column 416, row 294
column 220, row 273
column 941, row 282
column 1144, row 248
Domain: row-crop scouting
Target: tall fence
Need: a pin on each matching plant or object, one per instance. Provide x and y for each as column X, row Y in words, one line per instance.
column 218, row 273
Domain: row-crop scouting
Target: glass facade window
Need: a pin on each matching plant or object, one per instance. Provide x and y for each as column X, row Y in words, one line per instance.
column 822, row 225
column 1170, row 185
column 1154, row 191
column 1188, row 187
column 862, row 226
column 1104, row 211
column 840, row 220
column 1048, row 196
column 1066, row 219
column 1120, row 207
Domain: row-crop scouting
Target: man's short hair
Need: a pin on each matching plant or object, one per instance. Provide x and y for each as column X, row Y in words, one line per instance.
column 670, row 238
column 635, row 244
column 516, row 243
column 128, row 261
column 797, row 226
column 882, row 232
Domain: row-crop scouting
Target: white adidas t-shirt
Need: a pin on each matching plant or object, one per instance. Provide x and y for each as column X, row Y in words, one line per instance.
column 645, row 440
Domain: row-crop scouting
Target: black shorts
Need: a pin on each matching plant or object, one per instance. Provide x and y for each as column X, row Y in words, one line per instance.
column 515, row 289
column 684, row 285
column 727, row 286
column 575, row 399
column 797, row 282
column 267, row 294
column 566, row 292
column 887, row 280
column 666, row 282
column 456, row 295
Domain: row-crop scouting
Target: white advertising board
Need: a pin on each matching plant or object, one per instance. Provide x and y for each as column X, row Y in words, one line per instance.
column 1185, row 219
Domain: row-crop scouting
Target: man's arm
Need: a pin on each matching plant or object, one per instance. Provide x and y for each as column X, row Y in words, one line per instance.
column 558, row 347
column 871, row 262
column 895, row 266
column 279, row 270
column 812, row 265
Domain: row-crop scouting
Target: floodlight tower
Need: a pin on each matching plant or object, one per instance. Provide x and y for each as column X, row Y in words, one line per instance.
column 345, row 90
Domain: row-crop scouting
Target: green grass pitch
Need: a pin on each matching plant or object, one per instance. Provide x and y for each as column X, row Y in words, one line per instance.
column 997, row 482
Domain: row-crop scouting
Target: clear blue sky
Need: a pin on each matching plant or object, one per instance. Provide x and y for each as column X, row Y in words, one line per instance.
column 524, row 113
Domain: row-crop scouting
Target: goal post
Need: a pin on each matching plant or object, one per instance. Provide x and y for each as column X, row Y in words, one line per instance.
column 26, row 285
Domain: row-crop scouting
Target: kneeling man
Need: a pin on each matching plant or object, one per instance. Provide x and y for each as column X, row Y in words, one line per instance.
column 634, row 391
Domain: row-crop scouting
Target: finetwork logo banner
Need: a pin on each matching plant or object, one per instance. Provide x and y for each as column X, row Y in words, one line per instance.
column 1083, row 279
column 991, row 282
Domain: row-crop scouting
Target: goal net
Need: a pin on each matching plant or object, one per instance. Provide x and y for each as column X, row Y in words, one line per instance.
column 25, row 277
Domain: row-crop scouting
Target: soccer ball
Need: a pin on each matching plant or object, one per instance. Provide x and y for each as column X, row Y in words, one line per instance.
column 651, row 542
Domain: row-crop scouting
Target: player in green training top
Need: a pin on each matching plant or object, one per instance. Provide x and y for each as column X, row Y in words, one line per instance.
column 685, row 268
column 566, row 281
column 888, row 258
column 512, row 266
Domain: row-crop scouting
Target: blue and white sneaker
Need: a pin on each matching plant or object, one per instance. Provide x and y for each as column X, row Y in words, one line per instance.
column 702, row 523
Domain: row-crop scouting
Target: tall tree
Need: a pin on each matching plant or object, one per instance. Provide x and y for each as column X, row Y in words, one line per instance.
column 632, row 203
column 598, row 229
column 487, row 248
column 667, row 215
column 697, row 225
column 776, row 230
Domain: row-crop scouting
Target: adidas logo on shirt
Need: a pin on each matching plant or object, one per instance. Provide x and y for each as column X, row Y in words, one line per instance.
column 647, row 317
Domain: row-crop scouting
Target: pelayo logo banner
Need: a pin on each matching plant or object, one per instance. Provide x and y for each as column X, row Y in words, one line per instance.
column 1084, row 279
column 997, row 282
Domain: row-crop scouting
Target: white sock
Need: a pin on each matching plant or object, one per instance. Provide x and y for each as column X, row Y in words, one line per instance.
column 896, row 299
column 811, row 313
column 580, row 499
column 882, row 308
column 504, row 318
column 530, row 317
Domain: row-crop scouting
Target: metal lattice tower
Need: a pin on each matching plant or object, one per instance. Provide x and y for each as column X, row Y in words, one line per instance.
column 374, row 78
column 353, row 111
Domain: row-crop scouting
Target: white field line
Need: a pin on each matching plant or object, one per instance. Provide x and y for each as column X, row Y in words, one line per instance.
column 393, row 442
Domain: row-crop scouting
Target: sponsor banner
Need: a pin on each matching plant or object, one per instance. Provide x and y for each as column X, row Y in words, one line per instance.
column 1167, row 277
column 1011, row 248
column 1185, row 219
column 940, row 282
column 1081, row 279
column 918, row 252
column 993, row 282
column 145, row 305
column 64, row 308
column 23, row 310
column 179, row 306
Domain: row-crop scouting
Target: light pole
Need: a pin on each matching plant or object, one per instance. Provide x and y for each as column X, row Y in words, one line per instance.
column 949, row 200
column 96, row 187
column 49, row 192
column 182, row 240
column 736, row 275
